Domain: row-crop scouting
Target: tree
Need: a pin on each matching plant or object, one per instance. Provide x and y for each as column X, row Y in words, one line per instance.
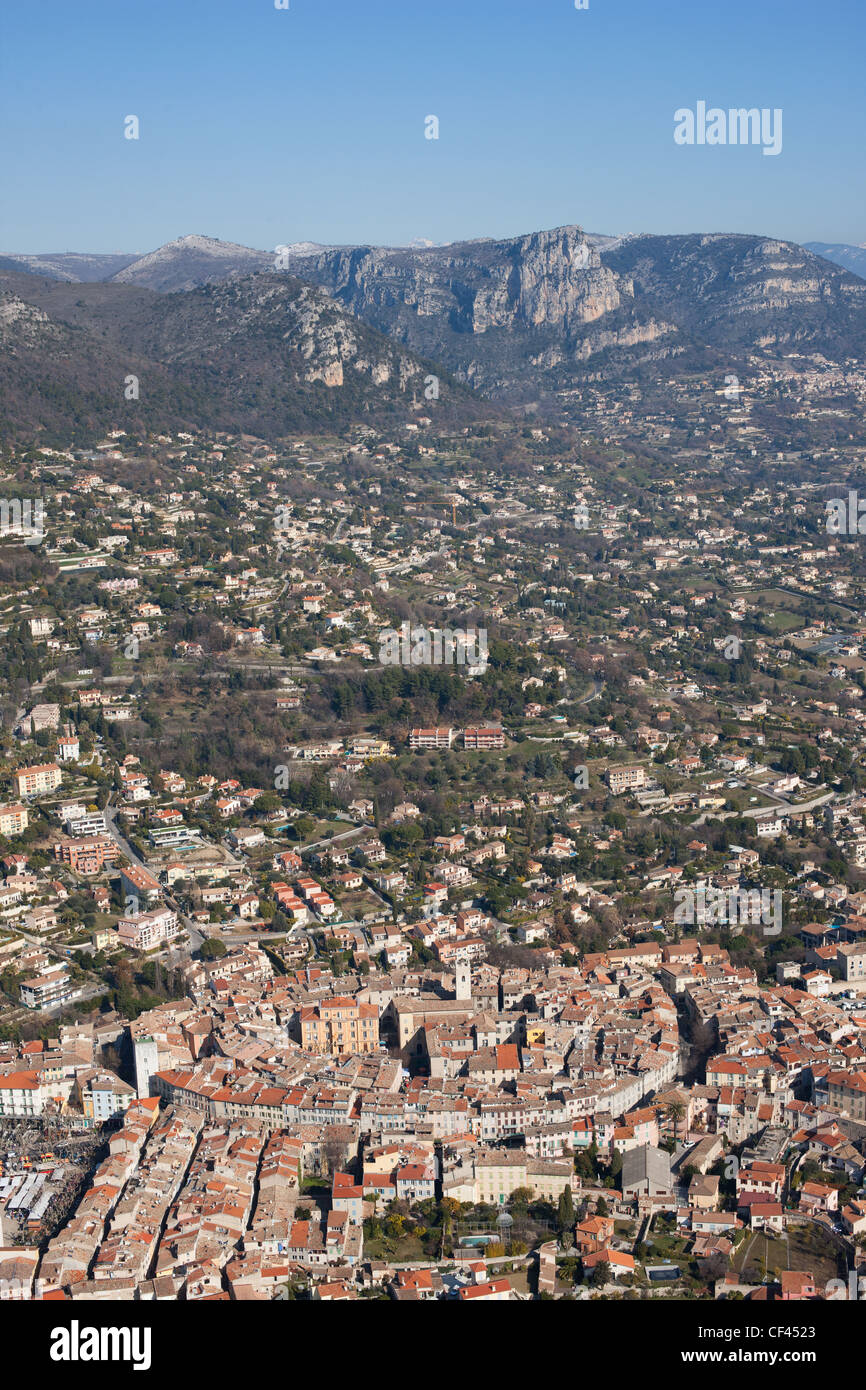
column 584, row 1166
column 674, row 1110
column 565, row 1214
column 335, row 1153
column 212, row 948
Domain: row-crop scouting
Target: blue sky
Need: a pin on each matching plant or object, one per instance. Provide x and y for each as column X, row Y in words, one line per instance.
column 265, row 126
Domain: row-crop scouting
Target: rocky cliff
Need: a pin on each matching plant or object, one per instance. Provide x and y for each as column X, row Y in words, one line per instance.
column 519, row 317
column 265, row 353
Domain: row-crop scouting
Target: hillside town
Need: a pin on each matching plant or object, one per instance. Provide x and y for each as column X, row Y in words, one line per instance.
column 431, row 881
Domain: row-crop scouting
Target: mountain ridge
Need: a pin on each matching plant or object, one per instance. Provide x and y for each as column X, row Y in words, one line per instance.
column 527, row 314
column 850, row 257
column 266, row 353
column 343, row 333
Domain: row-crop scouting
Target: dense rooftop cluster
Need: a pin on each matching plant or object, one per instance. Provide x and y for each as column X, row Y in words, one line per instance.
column 334, row 964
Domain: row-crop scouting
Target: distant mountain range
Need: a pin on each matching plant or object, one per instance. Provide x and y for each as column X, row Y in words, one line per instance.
column 229, row 336
column 183, row 264
column 853, row 258
column 69, row 265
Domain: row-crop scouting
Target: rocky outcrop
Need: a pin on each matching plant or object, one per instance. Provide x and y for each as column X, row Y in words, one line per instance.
column 519, row 317
column 333, row 334
column 734, row 292
column 552, row 279
column 264, row 353
column 498, row 314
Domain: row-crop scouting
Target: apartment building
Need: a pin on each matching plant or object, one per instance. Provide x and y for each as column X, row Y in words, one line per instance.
column 21, row 1094
column 104, row 1096
column 431, row 738
column 138, row 883
column 846, row 1092
column 482, row 737
column 852, row 962
column 83, row 825
column 340, row 1025
column 146, row 930
column 625, row 778
column 88, row 856
column 45, row 991
column 13, row 819
column 32, row 781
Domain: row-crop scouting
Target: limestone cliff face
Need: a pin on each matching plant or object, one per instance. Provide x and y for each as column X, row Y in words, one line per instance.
column 735, row 291
column 495, row 313
column 24, row 319
column 560, row 279
column 264, row 324
column 341, row 334
column 546, row 279
column 266, row 353
column 520, row 317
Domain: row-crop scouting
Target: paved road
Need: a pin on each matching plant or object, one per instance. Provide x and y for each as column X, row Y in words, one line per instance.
column 791, row 808
column 787, row 808
column 120, row 839
column 195, row 936
column 597, row 688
